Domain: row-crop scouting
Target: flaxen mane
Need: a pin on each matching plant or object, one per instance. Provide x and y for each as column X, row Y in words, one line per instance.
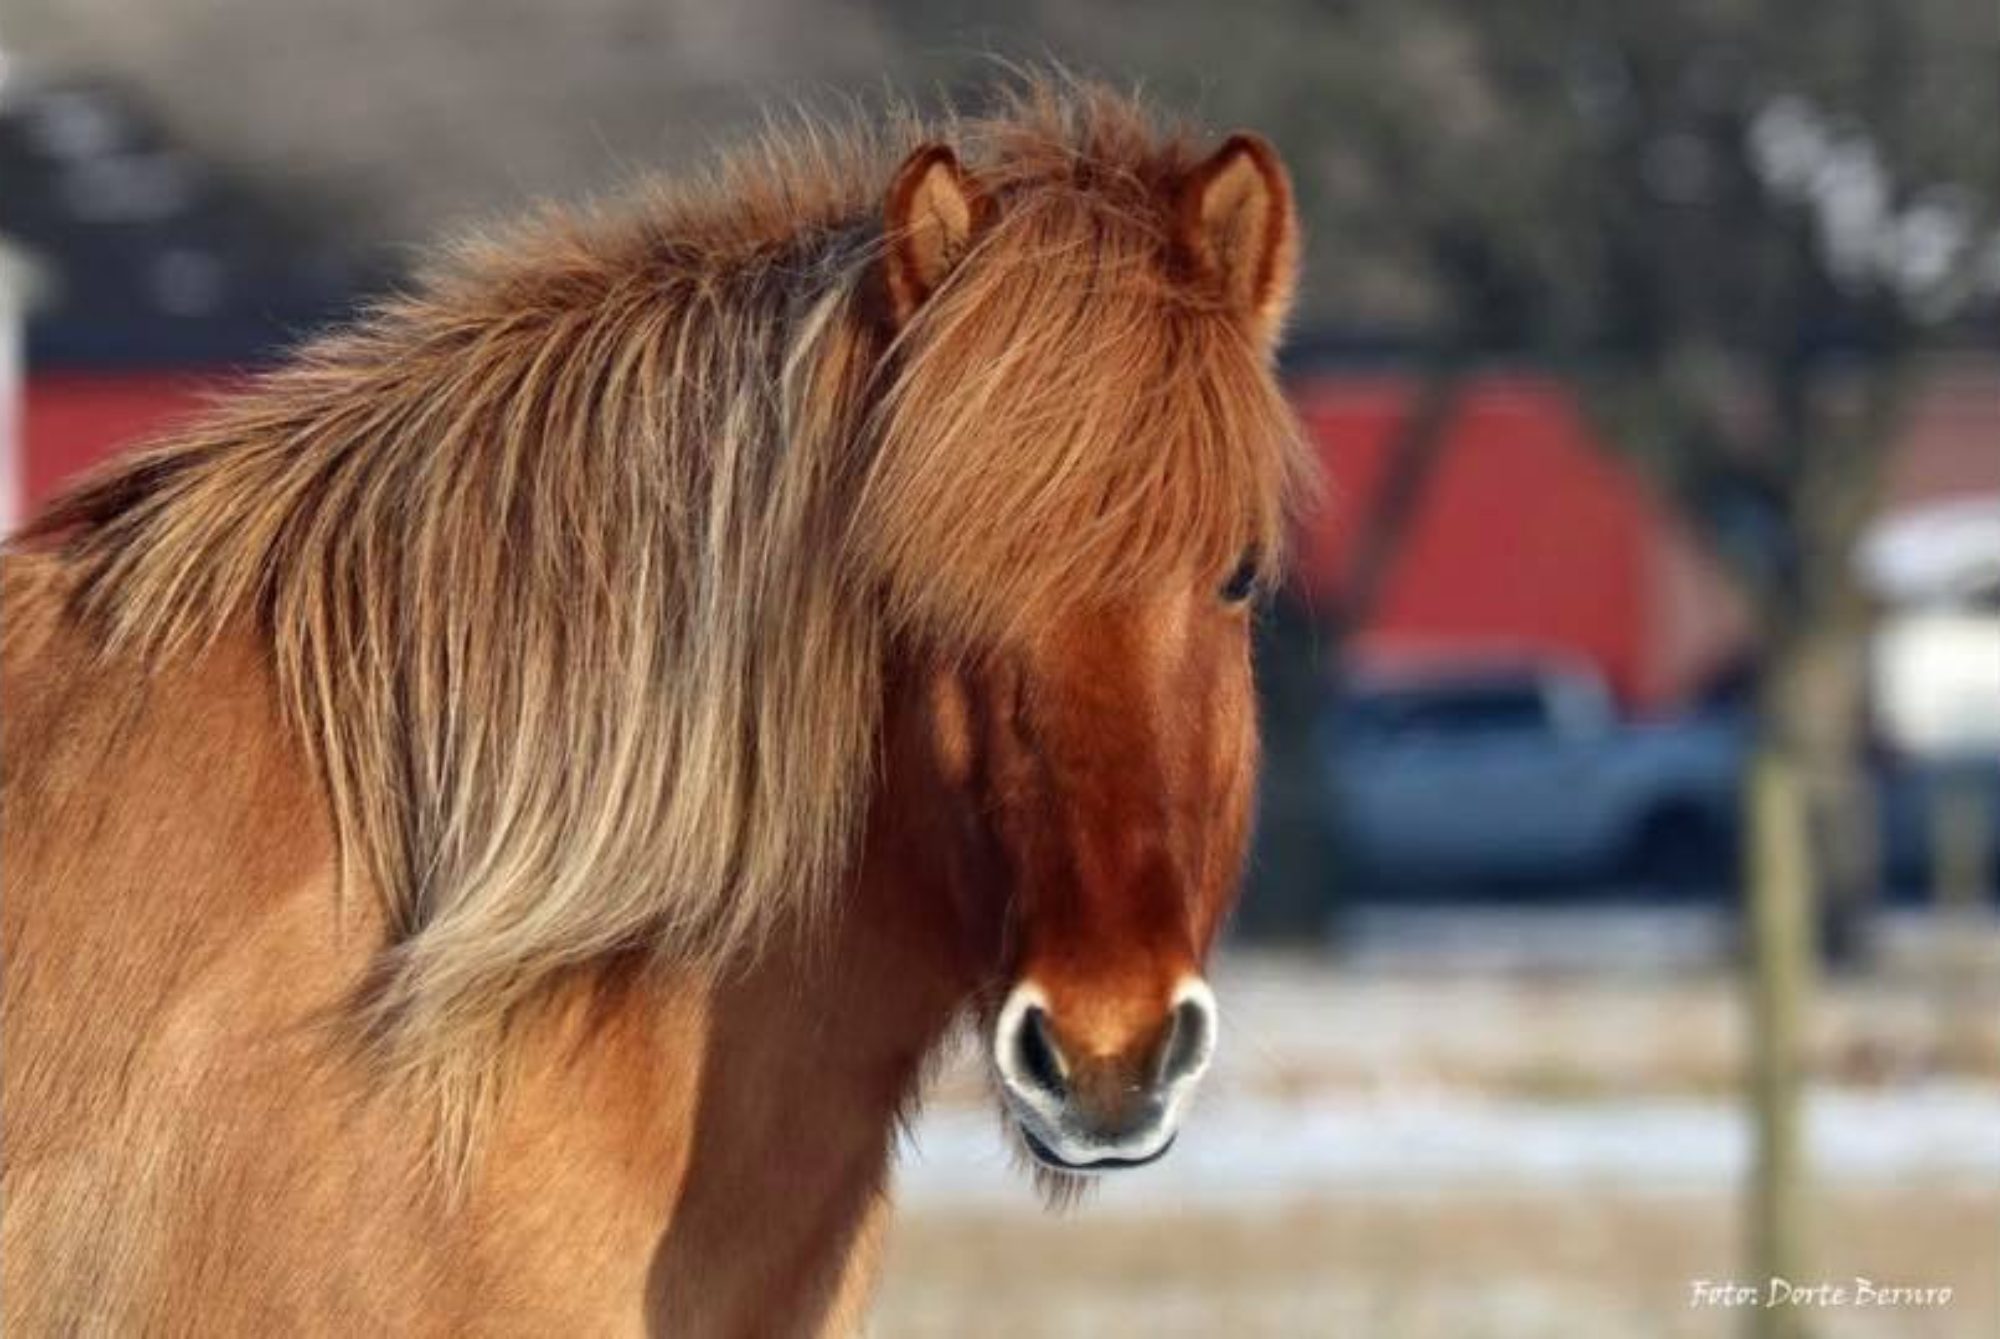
column 579, row 567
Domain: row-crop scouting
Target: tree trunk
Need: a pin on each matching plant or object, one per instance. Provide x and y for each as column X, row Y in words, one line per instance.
column 1961, row 838
column 1294, row 857
column 1828, row 724
column 1783, row 874
column 1780, row 990
column 1806, row 779
column 1812, row 814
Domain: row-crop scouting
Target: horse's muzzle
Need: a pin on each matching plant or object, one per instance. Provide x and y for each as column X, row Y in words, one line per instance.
column 1114, row 1105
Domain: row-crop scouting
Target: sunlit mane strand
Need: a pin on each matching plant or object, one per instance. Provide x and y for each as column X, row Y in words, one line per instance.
column 579, row 568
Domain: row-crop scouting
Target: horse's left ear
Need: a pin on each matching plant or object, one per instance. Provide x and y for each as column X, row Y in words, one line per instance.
column 1238, row 229
column 934, row 211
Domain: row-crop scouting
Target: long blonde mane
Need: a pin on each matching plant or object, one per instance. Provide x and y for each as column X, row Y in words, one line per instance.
column 580, row 567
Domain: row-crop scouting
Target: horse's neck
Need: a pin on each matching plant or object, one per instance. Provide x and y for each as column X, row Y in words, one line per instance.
column 742, row 1124
column 715, row 1144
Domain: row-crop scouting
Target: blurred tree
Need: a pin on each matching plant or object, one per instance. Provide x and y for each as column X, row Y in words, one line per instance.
column 1296, row 853
column 1736, row 226
column 405, row 117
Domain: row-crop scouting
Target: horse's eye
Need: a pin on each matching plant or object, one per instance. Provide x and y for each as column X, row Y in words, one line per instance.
column 1242, row 583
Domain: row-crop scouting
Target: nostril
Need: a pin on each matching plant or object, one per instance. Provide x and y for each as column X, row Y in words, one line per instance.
column 1190, row 1039
column 1037, row 1053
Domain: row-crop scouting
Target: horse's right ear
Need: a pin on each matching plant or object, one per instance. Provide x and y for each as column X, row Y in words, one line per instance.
column 1238, row 229
column 934, row 211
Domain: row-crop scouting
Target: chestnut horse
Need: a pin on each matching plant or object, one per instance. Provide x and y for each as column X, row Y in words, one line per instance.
column 499, row 812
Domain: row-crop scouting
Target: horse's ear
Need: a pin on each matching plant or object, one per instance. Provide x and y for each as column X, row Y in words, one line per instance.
column 935, row 210
column 1238, row 229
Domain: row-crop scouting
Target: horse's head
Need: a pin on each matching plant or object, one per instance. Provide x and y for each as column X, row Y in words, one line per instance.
column 1089, row 732
column 1105, row 771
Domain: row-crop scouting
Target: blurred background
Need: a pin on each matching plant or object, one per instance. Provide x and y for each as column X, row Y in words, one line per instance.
column 1623, row 913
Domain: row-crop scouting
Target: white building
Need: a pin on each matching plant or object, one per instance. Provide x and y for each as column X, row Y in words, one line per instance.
column 1936, row 654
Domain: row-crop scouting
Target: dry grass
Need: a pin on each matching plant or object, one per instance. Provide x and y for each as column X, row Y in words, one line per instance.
column 1468, row 1265
column 1581, row 1260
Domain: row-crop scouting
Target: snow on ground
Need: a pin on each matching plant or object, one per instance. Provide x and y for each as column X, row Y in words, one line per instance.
column 1336, row 1078
column 1246, row 1153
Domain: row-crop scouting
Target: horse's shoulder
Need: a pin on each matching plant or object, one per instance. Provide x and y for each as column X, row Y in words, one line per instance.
column 113, row 767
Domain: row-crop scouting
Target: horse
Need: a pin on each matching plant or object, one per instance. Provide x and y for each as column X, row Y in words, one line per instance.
column 501, row 809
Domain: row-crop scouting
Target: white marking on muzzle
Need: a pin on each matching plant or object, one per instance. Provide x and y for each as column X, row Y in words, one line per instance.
column 1045, row 1114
